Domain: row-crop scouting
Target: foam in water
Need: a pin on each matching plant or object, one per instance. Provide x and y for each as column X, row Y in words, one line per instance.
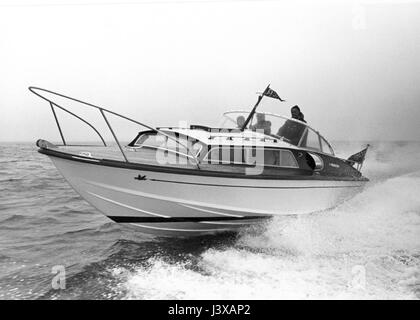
column 368, row 247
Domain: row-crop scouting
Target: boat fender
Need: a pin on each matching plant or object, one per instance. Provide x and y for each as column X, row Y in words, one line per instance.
column 44, row 144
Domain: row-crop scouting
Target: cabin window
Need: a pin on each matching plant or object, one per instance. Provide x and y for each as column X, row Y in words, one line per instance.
column 251, row 156
column 151, row 140
column 287, row 159
column 196, row 148
column 279, row 158
column 224, row 155
column 160, row 141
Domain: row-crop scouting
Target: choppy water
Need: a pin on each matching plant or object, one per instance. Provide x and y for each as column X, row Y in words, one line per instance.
column 368, row 247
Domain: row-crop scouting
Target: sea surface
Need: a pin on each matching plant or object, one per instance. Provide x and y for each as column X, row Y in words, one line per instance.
column 54, row 245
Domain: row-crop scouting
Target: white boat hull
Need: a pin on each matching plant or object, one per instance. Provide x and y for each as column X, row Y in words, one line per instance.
column 217, row 203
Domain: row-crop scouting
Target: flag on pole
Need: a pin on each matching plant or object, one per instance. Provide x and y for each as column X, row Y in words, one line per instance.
column 272, row 94
column 358, row 157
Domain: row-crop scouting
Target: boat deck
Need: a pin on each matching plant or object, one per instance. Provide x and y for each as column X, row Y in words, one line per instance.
column 148, row 157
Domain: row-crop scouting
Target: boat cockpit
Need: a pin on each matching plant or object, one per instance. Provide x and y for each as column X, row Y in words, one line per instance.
column 290, row 130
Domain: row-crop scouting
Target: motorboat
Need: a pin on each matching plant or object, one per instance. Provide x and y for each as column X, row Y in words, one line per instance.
column 196, row 179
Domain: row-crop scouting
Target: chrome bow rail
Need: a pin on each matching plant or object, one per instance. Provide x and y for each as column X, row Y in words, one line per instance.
column 103, row 111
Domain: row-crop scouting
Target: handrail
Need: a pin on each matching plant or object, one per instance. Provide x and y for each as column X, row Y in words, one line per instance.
column 75, row 115
column 58, row 123
column 102, row 111
column 283, row 117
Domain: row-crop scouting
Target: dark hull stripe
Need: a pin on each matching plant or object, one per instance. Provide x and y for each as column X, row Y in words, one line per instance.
column 127, row 219
column 255, row 187
column 185, row 171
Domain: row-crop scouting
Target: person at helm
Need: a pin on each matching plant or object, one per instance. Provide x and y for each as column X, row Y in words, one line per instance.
column 293, row 130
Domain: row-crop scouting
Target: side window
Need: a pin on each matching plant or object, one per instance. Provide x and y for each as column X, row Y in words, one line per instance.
column 251, row 156
column 272, row 158
column 151, row 140
column 223, row 155
column 231, row 155
column 287, row 159
column 155, row 140
column 212, row 156
column 196, row 148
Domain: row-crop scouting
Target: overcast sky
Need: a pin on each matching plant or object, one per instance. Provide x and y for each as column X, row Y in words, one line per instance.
column 353, row 67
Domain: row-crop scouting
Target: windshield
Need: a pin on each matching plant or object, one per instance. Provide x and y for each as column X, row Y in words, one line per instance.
column 290, row 130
